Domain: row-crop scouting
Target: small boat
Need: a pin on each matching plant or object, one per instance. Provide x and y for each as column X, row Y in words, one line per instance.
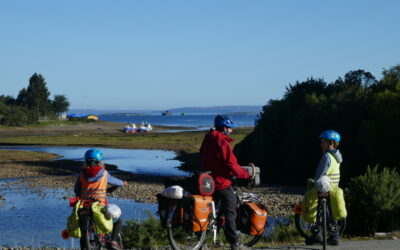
column 145, row 127
column 131, row 128
column 167, row 112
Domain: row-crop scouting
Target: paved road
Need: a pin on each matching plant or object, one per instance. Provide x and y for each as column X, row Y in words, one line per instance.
column 352, row 245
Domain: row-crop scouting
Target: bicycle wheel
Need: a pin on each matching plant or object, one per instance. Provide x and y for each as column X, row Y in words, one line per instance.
column 89, row 239
column 339, row 227
column 120, row 241
column 249, row 240
column 181, row 239
column 323, row 223
column 304, row 228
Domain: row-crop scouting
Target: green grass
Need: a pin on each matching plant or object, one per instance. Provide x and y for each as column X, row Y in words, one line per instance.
column 19, row 156
column 184, row 141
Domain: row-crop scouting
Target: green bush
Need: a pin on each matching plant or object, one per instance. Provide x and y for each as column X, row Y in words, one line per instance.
column 144, row 234
column 19, row 116
column 373, row 202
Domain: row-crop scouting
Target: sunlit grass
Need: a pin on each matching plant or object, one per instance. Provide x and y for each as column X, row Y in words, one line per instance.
column 184, row 141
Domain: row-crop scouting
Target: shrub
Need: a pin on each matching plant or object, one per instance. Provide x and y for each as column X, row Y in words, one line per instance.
column 144, row 234
column 373, row 202
column 19, row 116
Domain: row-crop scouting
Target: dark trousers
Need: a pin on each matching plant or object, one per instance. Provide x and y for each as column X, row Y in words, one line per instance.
column 117, row 228
column 228, row 201
column 332, row 230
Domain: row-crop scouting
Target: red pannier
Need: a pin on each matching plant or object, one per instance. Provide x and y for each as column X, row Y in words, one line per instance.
column 252, row 218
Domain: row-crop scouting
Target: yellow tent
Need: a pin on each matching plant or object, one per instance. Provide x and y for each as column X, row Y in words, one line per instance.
column 93, row 117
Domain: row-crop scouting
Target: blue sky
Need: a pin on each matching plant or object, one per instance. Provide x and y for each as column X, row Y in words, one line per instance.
column 166, row 54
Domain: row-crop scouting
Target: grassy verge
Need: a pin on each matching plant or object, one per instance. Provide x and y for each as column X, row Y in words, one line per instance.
column 184, row 141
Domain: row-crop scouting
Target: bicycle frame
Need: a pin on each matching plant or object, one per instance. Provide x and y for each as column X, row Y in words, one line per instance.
column 323, row 220
column 215, row 223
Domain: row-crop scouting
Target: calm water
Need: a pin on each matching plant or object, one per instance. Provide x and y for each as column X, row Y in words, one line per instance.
column 34, row 219
column 137, row 161
column 31, row 219
column 196, row 121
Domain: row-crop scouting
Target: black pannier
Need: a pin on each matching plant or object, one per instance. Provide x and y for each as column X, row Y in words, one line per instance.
column 164, row 206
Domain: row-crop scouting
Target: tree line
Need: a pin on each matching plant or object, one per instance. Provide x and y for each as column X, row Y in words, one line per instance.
column 365, row 111
column 31, row 103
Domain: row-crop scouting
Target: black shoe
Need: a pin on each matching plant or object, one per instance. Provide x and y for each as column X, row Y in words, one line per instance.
column 317, row 238
column 333, row 241
column 309, row 241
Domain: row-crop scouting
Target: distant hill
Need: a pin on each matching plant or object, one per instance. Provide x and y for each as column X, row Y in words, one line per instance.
column 219, row 110
column 187, row 110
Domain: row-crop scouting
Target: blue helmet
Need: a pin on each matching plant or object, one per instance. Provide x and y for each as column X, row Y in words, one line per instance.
column 224, row 121
column 94, row 154
column 330, row 135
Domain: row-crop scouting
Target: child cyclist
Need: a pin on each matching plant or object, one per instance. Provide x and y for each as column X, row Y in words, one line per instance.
column 329, row 165
column 92, row 184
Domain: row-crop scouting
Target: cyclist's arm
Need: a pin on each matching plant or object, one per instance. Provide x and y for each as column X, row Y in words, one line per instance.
column 231, row 162
column 77, row 188
column 114, row 181
column 322, row 166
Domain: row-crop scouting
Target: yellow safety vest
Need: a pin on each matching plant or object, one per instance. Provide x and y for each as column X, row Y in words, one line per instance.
column 333, row 171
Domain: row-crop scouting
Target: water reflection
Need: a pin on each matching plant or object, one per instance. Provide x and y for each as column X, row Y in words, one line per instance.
column 25, row 214
column 138, row 161
column 36, row 219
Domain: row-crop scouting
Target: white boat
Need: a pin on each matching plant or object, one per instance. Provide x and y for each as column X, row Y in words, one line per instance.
column 145, row 127
column 131, row 128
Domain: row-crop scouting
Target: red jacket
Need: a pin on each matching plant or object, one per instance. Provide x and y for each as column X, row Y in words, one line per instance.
column 217, row 156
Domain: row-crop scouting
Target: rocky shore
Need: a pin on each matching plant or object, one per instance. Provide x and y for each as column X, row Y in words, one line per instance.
column 279, row 200
column 41, row 172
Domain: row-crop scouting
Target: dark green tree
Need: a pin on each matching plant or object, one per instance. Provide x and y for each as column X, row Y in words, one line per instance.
column 60, row 103
column 365, row 111
column 22, row 98
column 7, row 100
column 37, row 94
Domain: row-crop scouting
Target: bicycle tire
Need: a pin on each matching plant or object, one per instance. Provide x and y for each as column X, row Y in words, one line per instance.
column 120, row 241
column 90, row 239
column 180, row 239
column 304, row 227
column 249, row 240
column 324, row 223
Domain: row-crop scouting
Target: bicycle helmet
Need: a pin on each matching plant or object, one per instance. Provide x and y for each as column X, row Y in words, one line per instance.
column 330, row 135
column 224, row 121
column 94, row 154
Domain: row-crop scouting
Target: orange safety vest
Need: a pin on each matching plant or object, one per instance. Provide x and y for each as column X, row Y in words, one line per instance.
column 94, row 190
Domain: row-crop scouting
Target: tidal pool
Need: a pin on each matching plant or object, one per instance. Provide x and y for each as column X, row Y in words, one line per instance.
column 137, row 161
column 33, row 219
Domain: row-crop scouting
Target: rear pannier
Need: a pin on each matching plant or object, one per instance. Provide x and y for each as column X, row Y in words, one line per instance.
column 252, row 218
column 164, row 206
column 196, row 211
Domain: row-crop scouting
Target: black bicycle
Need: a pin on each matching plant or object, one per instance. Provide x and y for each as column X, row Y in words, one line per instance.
column 91, row 239
column 323, row 223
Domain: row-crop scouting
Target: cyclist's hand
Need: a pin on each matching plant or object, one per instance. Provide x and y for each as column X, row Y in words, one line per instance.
column 253, row 172
column 125, row 183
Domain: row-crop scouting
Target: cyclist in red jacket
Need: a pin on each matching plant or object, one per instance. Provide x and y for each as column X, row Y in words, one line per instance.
column 217, row 156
